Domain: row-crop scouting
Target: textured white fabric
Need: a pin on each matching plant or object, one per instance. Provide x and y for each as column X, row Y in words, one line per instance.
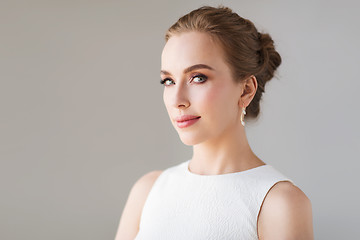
column 187, row 206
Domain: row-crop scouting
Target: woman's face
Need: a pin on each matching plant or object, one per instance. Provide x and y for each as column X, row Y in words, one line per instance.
column 198, row 82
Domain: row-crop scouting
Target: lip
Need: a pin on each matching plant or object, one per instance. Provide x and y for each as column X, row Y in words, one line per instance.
column 186, row 120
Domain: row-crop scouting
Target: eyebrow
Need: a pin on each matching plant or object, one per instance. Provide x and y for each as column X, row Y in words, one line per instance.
column 191, row 68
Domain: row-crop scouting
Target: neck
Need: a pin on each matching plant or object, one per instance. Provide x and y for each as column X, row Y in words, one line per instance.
column 227, row 153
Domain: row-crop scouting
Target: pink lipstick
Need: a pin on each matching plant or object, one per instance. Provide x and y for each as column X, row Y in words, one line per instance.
column 186, row 120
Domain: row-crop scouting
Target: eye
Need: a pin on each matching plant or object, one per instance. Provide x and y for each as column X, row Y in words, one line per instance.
column 200, row 78
column 164, row 82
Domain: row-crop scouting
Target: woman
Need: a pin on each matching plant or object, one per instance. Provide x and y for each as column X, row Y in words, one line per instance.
column 214, row 68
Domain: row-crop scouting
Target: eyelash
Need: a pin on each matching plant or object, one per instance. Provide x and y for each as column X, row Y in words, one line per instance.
column 198, row 75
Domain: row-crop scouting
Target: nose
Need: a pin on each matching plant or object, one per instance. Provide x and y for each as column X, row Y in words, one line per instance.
column 180, row 99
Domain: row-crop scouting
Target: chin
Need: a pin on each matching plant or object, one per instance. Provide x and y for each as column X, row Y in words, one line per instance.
column 190, row 139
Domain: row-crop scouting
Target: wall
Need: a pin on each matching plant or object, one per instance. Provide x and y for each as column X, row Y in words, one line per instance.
column 82, row 116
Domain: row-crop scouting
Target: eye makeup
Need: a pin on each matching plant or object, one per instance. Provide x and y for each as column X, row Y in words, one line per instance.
column 194, row 76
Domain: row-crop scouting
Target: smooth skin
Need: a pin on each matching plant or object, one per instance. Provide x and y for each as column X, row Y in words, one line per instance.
column 219, row 140
column 130, row 218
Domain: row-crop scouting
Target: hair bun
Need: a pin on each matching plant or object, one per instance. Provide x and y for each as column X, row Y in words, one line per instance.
column 247, row 51
column 269, row 58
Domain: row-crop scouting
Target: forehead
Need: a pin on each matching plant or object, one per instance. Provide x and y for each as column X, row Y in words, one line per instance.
column 191, row 48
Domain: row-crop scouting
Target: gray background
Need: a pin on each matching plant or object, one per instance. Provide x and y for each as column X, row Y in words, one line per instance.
column 82, row 116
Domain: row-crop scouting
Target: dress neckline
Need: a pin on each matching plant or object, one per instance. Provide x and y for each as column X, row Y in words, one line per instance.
column 188, row 172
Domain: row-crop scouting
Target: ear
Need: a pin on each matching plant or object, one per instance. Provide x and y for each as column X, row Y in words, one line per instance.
column 249, row 87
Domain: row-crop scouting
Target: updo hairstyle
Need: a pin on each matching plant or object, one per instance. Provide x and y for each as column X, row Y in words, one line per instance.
column 247, row 51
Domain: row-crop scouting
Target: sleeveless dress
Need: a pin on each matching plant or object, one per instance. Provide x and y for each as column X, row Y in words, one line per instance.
column 188, row 206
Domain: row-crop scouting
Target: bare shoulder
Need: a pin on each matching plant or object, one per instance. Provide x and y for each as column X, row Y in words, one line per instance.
column 144, row 184
column 286, row 213
column 130, row 218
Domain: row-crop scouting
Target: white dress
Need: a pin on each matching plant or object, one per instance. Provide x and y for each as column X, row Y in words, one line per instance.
column 187, row 206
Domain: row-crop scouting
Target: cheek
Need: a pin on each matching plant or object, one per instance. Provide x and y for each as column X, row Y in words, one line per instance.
column 166, row 99
column 210, row 100
column 166, row 102
column 169, row 104
column 217, row 102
